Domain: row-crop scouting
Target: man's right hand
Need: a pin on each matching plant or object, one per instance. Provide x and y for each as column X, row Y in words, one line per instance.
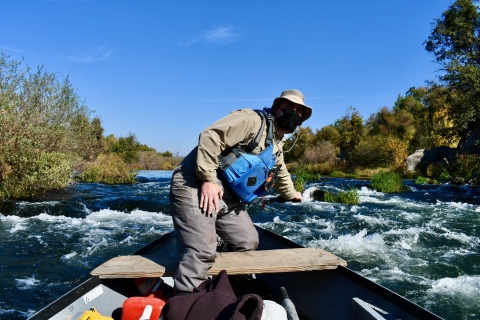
column 209, row 196
column 297, row 197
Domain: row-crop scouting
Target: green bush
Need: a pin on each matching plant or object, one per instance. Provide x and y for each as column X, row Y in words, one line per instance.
column 385, row 181
column 444, row 176
column 44, row 129
column 302, row 175
column 35, row 171
column 346, row 197
column 421, row 180
column 108, row 169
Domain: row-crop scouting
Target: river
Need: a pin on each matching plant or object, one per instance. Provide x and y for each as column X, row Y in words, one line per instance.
column 423, row 244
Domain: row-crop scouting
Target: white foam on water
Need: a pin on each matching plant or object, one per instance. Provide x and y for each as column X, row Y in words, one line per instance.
column 68, row 256
column 457, row 206
column 452, row 254
column 305, row 231
column 307, row 194
column 308, row 226
column 452, row 235
column 95, row 245
column 277, row 220
column 364, row 191
column 97, row 231
column 395, row 270
column 394, row 273
column 103, row 219
column 87, row 210
column 39, row 238
column 14, row 313
column 407, row 243
column 463, row 288
column 460, row 236
column 326, row 226
column 408, row 215
column 322, row 206
column 113, row 219
column 360, row 246
column 25, row 284
column 18, row 227
column 372, row 220
column 61, row 219
column 369, row 271
column 412, row 231
column 35, row 204
column 354, row 208
column 16, row 223
column 377, row 199
column 398, row 202
column 127, row 240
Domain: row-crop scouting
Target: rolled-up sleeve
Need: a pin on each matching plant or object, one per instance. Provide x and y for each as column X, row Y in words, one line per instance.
column 284, row 185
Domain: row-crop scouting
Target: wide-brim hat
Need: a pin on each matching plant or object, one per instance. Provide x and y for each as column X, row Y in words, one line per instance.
column 296, row 97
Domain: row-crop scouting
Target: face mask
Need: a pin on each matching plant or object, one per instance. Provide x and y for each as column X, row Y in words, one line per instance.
column 289, row 120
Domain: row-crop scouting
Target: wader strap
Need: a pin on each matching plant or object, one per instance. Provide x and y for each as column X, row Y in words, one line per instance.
column 269, row 117
column 235, row 152
column 254, row 143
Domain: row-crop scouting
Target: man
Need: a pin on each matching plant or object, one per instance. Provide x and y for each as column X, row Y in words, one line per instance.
column 203, row 206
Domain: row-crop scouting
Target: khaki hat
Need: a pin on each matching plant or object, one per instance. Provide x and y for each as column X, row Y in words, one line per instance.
column 296, row 97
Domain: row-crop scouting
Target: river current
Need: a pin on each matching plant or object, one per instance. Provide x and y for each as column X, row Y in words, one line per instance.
column 423, row 244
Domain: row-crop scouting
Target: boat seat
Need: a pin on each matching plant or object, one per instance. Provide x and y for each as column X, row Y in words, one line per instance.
column 248, row 262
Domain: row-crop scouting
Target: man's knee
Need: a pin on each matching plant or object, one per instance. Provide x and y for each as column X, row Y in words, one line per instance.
column 253, row 243
column 249, row 243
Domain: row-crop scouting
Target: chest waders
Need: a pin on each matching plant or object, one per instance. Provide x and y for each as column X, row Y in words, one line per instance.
column 248, row 175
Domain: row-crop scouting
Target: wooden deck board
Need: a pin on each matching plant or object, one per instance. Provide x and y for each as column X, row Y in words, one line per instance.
column 257, row 262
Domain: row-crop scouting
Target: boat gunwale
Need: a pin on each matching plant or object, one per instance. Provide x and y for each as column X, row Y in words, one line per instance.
column 71, row 296
column 410, row 307
column 387, row 294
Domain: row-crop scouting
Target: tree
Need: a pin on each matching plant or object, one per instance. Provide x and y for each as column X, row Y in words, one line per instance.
column 397, row 123
column 327, row 133
column 89, row 136
column 126, row 147
column 296, row 144
column 351, row 130
column 455, row 43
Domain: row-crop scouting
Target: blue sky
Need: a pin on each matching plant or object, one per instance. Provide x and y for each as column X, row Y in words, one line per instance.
column 165, row 70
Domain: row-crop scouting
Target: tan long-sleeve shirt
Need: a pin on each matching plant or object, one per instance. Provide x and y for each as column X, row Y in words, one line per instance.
column 238, row 128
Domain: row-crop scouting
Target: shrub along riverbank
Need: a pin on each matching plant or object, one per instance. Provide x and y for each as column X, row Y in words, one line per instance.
column 48, row 134
column 45, row 127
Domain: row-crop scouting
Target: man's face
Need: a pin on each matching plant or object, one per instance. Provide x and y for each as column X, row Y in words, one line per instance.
column 287, row 104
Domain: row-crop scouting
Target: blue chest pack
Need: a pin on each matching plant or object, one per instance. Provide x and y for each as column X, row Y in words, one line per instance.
column 250, row 175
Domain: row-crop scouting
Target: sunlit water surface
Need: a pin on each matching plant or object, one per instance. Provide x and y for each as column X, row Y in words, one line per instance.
column 423, row 244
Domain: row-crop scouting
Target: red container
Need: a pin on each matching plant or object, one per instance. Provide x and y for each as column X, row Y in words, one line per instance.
column 133, row 307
